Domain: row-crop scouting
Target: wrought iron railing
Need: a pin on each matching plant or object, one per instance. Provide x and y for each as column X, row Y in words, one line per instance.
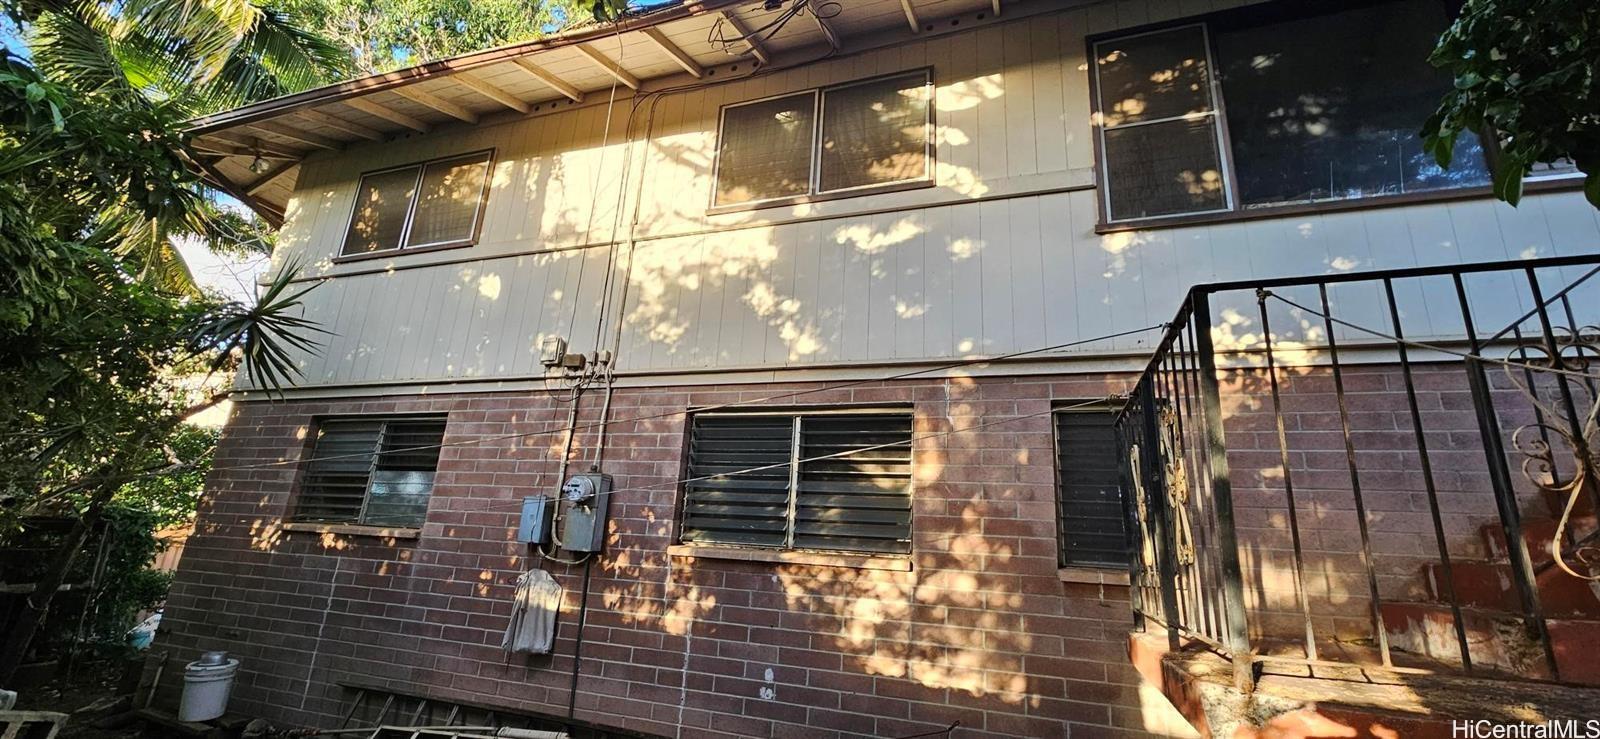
column 1343, row 469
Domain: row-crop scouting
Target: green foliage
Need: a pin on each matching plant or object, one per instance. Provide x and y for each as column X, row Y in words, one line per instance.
column 1528, row 71
column 102, row 333
column 95, row 343
column 382, row 35
column 125, row 585
column 192, row 57
column 172, row 498
column 607, row 11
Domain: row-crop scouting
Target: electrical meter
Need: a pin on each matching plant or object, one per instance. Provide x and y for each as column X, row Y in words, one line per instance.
column 580, row 488
column 584, row 499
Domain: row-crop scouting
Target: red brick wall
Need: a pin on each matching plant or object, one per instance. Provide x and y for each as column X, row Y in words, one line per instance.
column 1392, row 480
column 981, row 631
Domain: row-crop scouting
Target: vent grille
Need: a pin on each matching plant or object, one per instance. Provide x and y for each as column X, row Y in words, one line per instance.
column 370, row 471
column 858, row 498
column 861, row 500
column 751, row 508
column 1093, row 520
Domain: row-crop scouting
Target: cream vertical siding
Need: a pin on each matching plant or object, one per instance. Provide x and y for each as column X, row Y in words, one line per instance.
column 1000, row 256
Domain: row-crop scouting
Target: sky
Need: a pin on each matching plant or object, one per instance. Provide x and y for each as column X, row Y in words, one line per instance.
column 235, row 278
column 10, row 39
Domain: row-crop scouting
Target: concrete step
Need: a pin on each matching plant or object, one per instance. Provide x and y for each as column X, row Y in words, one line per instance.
column 1500, row 643
column 1537, row 534
column 1490, row 585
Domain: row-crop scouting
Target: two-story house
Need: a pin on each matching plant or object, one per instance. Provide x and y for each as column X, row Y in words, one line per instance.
column 877, row 316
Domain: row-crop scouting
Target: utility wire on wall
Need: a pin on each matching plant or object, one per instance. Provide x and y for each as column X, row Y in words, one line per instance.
column 716, row 407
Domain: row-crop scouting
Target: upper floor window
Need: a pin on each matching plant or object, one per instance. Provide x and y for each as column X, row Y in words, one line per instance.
column 1091, row 514
column 854, row 137
column 371, row 471
column 850, row 491
column 437, row 203
column 1269, row 107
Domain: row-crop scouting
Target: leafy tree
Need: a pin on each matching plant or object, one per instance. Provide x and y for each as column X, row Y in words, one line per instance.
column 382, row 35
column 171, row 499
column 98, row 323
column 187, row 57
column 1529, row 72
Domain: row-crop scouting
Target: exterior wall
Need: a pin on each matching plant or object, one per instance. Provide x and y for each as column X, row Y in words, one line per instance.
column 1000, row 256
column 982, row 629
column 593, row 236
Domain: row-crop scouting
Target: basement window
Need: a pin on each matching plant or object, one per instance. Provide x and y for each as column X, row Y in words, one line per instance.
column 431, row 204
column 1286, row 105
column 1090, row 506
column 847, row 139
column 371, row 471
column 823, row 481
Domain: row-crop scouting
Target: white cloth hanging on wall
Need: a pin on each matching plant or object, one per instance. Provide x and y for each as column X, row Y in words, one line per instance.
column 533, row 614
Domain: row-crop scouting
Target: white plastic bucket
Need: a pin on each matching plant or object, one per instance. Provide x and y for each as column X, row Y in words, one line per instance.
column 206, row 685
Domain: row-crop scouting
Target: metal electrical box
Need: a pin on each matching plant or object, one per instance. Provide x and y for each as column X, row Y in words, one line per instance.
column 534, row 528
column 583, row 520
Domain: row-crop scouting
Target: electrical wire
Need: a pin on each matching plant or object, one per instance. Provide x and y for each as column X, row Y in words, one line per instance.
column 1434, row 347
column 676, row 413
column 1098, row 402
column 719, row 406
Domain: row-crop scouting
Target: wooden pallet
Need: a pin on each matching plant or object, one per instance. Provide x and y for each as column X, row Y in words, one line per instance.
column 31, row 724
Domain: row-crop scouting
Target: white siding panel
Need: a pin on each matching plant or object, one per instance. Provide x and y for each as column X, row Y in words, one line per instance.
column 1000, row 255
column 939, row 277
column 1027, row 275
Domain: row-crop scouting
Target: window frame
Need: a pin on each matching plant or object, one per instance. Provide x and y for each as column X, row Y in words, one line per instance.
column 1218, row 114
column 796, row 416
column 1067, row 407
column 814, row 192
column 1278, row 10
column 293, row 515
column 488, row 158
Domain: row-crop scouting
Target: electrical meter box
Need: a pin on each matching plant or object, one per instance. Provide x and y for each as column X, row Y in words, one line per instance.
column 534, row 527
column 583, row 520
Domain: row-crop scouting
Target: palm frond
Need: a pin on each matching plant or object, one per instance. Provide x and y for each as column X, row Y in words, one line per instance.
column 72, row 51
column 265, row 335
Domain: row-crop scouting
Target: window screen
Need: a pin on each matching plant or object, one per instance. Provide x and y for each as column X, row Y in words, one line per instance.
column 376, row 472
column 430, row 204
column 1159, row 133
column 875, row 133
column 1318, row 108
column 764, row 151
column 1093, row 523
column 1329, row 108
column 872, row 133
column 854, row 493
column 382, row 201
column 447, row 204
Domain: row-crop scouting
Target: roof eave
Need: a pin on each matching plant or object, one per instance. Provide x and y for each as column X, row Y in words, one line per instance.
column 401, row 77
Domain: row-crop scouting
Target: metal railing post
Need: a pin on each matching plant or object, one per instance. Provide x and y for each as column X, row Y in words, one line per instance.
column 1505, row 495
column 1155, row 486
column 1235, row 623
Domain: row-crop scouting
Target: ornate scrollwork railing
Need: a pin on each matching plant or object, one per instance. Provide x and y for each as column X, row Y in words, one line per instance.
column 1575, row 428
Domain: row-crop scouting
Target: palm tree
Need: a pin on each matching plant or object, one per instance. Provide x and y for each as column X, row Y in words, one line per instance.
column 175, row 59
column 97, row 312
